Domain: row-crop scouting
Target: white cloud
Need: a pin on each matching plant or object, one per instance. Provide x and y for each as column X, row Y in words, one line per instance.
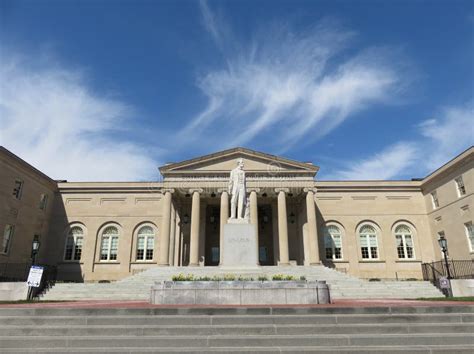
column 53, row 120
column 440, row 140
column 294, row 83
column 449, row 135
column 387, row 164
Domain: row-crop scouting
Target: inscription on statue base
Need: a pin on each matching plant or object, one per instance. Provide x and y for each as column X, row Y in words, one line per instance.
column 240, row 246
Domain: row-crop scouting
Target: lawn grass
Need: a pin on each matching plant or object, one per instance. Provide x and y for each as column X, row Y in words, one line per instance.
column 30, row 301
column 458, row 298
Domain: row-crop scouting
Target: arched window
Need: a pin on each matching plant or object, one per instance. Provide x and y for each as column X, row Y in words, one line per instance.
column 404, row 239
column 145, row 243
column 74, row 240
column 333, row 242
column 109, row 244
column 368, row 242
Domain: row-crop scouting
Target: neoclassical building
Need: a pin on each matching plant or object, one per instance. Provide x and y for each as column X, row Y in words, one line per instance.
column 108, row 230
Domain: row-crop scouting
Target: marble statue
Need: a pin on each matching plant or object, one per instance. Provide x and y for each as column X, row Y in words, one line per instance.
column 237, row 190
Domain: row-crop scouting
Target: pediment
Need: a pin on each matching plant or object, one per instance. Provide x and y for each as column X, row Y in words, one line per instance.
column 225, row 161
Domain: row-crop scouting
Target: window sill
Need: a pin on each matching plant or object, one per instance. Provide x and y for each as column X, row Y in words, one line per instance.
column 71, row 262
column 407, row 261
column 371, row 261
column 336, row 261
column 144, row 262
column 107, row 262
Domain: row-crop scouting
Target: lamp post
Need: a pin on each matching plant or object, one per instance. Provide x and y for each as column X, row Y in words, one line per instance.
column 443, row 243
column 34, row 250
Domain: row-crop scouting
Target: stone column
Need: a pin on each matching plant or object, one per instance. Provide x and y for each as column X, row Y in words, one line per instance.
column 195, row 218
column 172, row 235
column 282, row 226
column 312, row 227
column 254, row 214
column 223, row 220
column 177, row 240
column 163, row 258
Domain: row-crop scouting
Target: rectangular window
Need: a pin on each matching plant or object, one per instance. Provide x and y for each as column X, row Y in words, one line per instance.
column 140, row 247
column 43, row 201
column 113, row 248
column 337, row 247
column 69, row 248
column 460, row 186
column 7, row 238
column 434, row 199
column 368, row 246
column 17, row 191
column 470, row 234
column 150, row 243
column 400, row 247
column 104, row 249
column 409, row 246
column 78, row 248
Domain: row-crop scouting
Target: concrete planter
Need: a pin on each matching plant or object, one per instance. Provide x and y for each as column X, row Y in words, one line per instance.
column 241, row 292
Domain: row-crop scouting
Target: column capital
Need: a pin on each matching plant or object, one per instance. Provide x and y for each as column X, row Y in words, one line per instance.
column 164, row 190
column 306, row 190
column 285, row 190
column 253, row 189
column 199, row 190
column 222, row 190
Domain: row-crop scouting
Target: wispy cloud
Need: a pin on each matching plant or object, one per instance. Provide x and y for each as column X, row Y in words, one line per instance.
column 390, row 162
column 52, row 119
column 449, row 134
column 440, row 139
column 296, row 83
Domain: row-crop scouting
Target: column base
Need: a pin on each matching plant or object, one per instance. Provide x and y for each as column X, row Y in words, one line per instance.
column 283, row 264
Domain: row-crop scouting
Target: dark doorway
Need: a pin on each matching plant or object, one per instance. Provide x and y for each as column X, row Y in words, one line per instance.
column 265, row 235
column 212, row 246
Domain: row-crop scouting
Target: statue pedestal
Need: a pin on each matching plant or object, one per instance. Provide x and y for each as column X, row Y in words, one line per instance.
column 240, row 246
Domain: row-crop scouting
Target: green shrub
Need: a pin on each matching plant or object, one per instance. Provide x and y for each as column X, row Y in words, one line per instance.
column 182, row 277
column 229, row 277
column 374, row 279
column 262, row 278
column 302, row 277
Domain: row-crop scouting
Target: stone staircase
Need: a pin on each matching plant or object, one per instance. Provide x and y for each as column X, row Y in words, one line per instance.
column 342, row 286
column 423, row 329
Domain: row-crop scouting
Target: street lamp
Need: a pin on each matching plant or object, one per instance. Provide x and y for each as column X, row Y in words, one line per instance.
column 443, row 243
column 34, row 249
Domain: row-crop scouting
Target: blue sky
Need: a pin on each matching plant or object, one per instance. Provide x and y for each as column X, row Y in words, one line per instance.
column 109, row 90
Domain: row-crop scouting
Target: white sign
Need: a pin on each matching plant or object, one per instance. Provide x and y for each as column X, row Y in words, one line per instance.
column 444, row 283
column 34, row 278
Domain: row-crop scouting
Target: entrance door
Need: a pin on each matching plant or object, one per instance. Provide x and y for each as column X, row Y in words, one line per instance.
column 265, row 235
column 212, row 248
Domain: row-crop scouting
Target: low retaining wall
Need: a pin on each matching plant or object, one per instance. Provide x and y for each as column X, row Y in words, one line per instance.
column 462, row 287
column 13, row 291
column 240, row 292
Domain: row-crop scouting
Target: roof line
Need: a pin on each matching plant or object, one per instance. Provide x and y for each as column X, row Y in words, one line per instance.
column 26, row 164
column 310, row 167
column 444, row 166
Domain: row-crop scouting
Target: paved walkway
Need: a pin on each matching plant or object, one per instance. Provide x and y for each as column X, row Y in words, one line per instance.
column 142, row 304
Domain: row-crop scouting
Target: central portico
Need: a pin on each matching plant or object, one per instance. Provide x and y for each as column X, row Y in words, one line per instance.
column 280, row 194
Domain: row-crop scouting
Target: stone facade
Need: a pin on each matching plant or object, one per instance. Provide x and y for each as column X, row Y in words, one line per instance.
column 106, row 231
